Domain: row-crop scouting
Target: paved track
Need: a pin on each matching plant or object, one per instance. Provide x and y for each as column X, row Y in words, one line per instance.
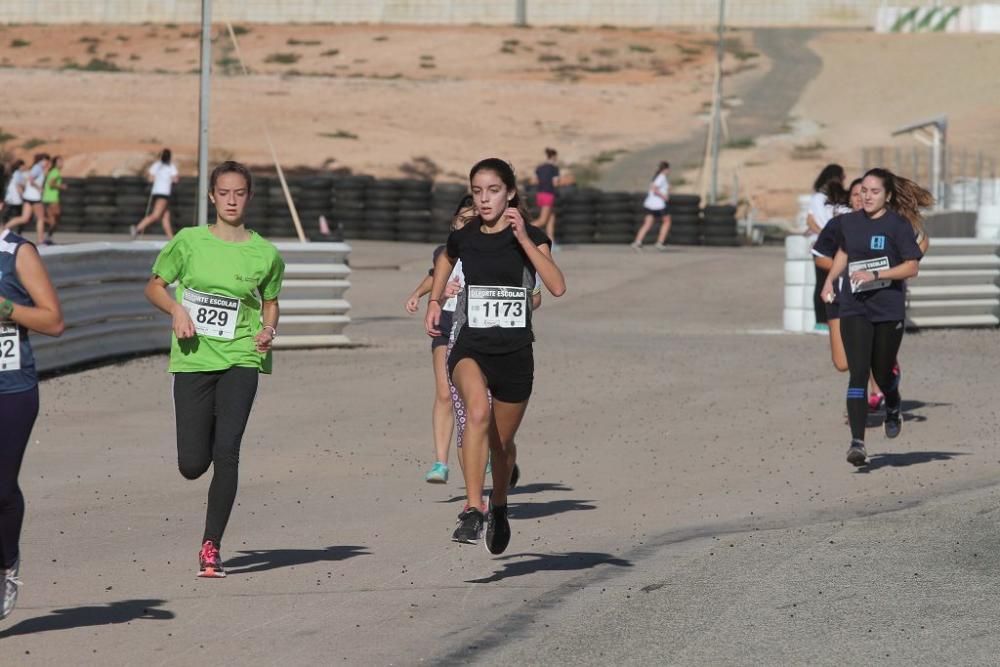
column 668, row 423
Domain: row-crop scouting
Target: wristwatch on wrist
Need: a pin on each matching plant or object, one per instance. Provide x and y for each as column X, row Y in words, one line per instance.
column 875, row 273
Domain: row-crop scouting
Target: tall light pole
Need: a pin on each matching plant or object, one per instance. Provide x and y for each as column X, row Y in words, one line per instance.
column 521, row 18
column 717, row 105
column 206, row 71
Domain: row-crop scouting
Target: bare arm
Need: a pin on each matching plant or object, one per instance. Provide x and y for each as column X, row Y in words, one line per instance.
column 270, row 312
column 413, row 301
column 907, row 269
column 811, row 224
column 824, row 263
column 839, row 264
column 156, row 292
column 46, row 315
column 925, row 244
column 442, row 269
column 536, row 301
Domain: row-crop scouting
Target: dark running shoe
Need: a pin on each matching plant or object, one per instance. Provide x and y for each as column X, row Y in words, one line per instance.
column 210, row 562
column 893, row 422
column 856, row 455
column 515, row 475
column 470, row 526
column 497, row 535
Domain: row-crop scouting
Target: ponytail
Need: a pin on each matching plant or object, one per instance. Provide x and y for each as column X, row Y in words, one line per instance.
column 904, row 197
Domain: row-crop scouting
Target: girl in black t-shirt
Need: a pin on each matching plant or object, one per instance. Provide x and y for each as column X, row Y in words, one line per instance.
column 500, row 256
column 879, row 249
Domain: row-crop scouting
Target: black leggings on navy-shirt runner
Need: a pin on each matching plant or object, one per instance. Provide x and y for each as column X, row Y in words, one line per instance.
column 819, row 306
column 17, row 417
column 212, row 410
column 871, row 348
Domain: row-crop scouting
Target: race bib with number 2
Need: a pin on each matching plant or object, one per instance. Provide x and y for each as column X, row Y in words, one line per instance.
column 504, row 307
column 10, row 347
column 213, row 315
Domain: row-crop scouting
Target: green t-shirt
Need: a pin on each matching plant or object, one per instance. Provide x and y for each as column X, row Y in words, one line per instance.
column 221, row 284
column 50, row 190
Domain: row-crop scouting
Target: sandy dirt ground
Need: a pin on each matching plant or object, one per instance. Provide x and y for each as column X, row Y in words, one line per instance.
column 668, row 415
column 388, row 100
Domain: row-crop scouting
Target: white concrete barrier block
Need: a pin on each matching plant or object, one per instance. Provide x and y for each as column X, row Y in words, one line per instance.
column 810, row 273
column 793, row 319
column 796, row 272
column 808, row 319
column 797, row 247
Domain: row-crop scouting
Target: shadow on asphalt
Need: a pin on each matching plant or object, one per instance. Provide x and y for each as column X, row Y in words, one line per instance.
column 537, row 487
column 553, row 507
column 877, row 461
column 574, row 560
column 124, row 611
column 272, row 559
column 876, row 419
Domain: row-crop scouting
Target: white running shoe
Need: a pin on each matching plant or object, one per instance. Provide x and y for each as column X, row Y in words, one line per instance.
column 11, row 585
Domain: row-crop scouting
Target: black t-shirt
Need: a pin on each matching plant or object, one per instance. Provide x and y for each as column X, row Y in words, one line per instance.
column 546, row 174
column 862, row 238
column 495, row 260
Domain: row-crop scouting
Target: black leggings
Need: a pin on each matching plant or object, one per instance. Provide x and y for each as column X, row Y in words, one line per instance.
column 17, row 418
column 211, row 410
column 871, row 349
column 818, row 304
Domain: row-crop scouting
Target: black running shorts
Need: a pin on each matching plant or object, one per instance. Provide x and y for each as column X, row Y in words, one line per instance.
column 509, row 377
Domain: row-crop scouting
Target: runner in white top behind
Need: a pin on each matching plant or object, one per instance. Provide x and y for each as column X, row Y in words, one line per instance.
column 163, row 175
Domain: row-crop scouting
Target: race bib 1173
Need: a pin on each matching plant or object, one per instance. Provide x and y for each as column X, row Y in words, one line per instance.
column 213, row 315
column 10, row 347
column 505, row 307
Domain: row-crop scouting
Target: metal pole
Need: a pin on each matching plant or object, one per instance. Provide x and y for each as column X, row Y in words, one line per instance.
column 521, row 18
column 206, row 66
column 717, row 106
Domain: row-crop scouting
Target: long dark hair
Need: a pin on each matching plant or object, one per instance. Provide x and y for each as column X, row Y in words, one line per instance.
column 165, row 156
column 904, row 197
column 830, row 182
column 550, row 153
column 506, row 173
column 663, row 165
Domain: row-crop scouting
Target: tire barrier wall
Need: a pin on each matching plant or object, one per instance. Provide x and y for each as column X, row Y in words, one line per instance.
column 101, row 286
column 958, row 285
column 402, row 209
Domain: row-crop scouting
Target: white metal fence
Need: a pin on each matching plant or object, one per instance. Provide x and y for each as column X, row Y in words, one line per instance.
column 638, row 13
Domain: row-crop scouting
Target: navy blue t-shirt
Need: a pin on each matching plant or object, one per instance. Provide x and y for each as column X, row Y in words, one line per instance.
column 862, row 238
column 546, row 174
column 25, row 377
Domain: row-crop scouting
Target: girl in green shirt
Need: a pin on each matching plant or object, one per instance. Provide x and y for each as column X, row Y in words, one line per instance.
column 50, row 197
column 225, row 317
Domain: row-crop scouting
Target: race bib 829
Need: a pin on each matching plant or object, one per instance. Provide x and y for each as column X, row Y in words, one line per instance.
column 212, row 314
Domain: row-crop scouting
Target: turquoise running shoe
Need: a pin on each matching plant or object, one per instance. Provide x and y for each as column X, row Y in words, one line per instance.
column 438, row 474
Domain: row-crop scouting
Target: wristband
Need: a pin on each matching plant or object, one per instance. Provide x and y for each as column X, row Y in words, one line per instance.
column 274, row 332
column 875, row 273
column 6, row 308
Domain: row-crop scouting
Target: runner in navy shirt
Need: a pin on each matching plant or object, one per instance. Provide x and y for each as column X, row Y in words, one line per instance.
column 28, row 302
column 878, row 249
column 547, row 175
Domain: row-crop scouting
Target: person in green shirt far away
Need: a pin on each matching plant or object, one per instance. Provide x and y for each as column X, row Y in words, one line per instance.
column 225, row 318
column 51, row 190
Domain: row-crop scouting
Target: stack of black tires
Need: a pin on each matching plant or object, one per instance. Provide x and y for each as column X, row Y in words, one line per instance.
column 414, row 221
column 347, row 198
column 577, row 216
column 73, row 199
column 685, row 220
column 720, row 226
column 445, row 198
